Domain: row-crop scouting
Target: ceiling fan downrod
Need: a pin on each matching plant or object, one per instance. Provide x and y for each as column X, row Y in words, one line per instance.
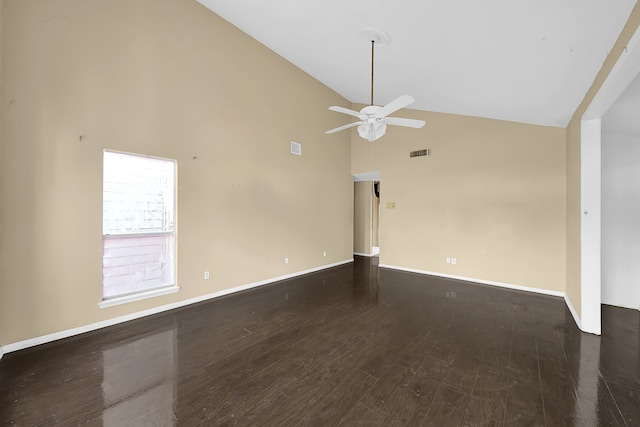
column 373, row 44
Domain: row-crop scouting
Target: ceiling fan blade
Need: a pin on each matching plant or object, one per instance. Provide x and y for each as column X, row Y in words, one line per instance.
column 410, row 123
column 345, row 111
column 395, row 105
column 338, row 129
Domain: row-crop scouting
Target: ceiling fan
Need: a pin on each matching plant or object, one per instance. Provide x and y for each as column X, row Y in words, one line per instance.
column 373, row 119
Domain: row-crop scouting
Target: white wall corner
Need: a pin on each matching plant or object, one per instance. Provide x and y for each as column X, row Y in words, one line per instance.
column 590, row 225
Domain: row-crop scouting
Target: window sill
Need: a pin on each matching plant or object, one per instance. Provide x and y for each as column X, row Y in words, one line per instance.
column 137, row 297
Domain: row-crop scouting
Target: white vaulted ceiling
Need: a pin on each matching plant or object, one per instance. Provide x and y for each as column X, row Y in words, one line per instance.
column 529, row 61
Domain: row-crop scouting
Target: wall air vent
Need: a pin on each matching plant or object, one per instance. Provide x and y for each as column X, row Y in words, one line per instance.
column 420, row 153
column 296, row 148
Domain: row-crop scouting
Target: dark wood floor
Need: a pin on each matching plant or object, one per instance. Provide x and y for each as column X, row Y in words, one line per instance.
column 347, row 346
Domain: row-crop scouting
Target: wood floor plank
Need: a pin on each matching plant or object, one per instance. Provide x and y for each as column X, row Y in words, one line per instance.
column 524, row 400
column 448, row 408
column 561, row 405
column 404, row 408
column 339, row 401
column 628, row 401
column 305, row 391
column 361, row 416
column 607, row 411
column 489, row 410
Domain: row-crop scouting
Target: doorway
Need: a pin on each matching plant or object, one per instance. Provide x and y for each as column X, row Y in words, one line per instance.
column 366, row 214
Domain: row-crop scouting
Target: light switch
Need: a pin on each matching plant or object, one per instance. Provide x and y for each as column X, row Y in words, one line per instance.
column 391, row 205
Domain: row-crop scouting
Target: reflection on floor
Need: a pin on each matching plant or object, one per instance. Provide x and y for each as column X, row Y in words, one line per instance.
column 139, row 374
column 353, row 345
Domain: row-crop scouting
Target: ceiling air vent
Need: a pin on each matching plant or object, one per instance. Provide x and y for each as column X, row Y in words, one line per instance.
column 420, row 153
column 296, row 148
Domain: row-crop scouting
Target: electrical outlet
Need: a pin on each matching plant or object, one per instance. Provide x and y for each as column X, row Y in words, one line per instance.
column 324, row 253
column 286, row 260
column 453, row 260
column 206, row 275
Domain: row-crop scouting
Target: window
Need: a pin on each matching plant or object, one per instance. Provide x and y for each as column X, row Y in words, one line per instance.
column 138, row 225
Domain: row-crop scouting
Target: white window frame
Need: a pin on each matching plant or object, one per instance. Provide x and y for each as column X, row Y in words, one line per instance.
column 152, row 292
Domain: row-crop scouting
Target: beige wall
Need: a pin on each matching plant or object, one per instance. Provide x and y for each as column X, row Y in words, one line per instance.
column 362, row 219
column 492, row 195
column 574, row 291
column 166, row 78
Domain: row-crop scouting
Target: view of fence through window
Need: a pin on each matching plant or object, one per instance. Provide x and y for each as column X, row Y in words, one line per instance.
column 138, row 224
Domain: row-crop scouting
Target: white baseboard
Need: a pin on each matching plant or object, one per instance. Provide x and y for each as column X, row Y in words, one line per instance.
column 484, row 282
column 573, row 311
column 361, row 254
column 32, row 342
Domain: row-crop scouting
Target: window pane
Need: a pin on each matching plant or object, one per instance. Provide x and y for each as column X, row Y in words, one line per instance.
column 135, row 264
column 138, row 194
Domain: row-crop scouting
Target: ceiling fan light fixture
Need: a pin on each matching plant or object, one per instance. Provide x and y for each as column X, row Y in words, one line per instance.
column 372, row 131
